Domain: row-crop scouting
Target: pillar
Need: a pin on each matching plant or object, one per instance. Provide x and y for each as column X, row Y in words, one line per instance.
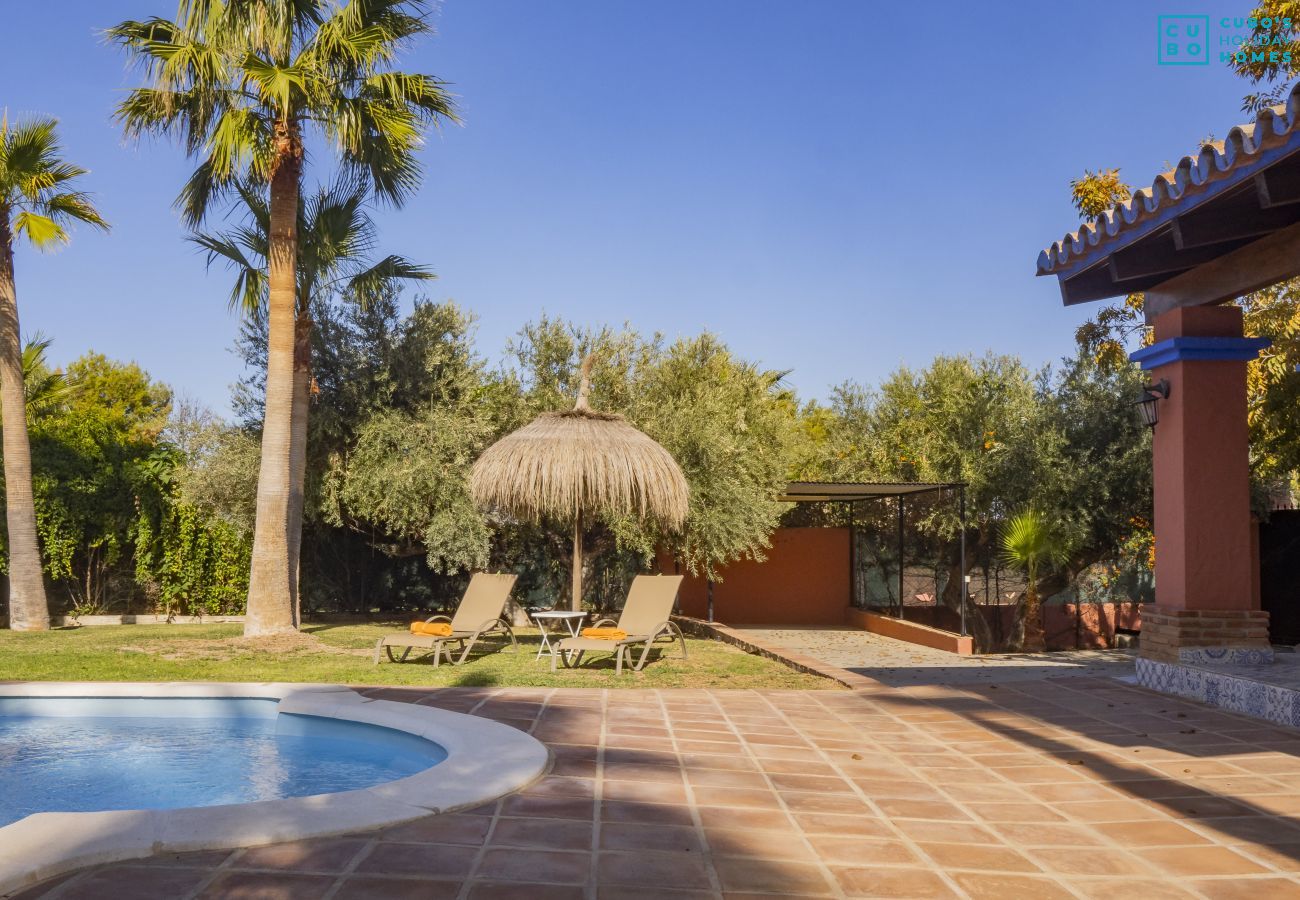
column 1206, row 610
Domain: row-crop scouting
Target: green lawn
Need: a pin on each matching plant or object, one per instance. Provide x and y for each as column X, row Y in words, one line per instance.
column 342, row 654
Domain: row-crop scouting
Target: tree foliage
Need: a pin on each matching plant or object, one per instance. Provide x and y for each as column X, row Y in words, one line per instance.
column 404, row 476
column 1270, row 60
column 114, row 527
column 1097, row 192
column 731, row 426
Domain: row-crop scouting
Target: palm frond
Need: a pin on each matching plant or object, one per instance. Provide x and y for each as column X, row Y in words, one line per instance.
column 256, row 204
column 240, row 140
column 276, row 85
column 271, row 28
column 249, row 291
column 336, row 236
column 254, row 240
column 337, row 226
column 378, row 144
column 425, row 93
column 371, row 284
column 73, row 206
column 33, row 176
column 27, row 147
column 45, row 389
column 43, row 232
column 1029, row 540
column 217, row 248
column 175, row 58
column 363, row 34
column 200, row 191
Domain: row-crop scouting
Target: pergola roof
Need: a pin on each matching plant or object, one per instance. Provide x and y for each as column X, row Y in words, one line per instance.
column 850, row 491
column 1233, row 193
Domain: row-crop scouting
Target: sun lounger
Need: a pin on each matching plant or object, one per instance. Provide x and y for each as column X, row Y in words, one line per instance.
column 478, row 616
column 646, row 617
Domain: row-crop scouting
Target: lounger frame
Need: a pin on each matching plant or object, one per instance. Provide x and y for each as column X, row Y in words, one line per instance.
column 485, row 592
column 579, row 646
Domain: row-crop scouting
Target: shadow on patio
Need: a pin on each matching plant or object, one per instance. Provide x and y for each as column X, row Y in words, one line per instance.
column 1140, row 765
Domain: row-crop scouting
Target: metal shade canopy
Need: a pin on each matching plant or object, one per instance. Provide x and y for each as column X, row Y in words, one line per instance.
column 851, row 492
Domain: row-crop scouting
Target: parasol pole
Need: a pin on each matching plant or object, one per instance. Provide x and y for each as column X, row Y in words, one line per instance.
column 584, row 388
column 575, row 603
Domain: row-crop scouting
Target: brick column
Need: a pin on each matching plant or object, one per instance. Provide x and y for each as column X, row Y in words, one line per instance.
column 1205, row 610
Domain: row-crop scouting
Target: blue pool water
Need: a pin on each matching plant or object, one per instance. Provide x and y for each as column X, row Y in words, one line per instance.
column 82, row 754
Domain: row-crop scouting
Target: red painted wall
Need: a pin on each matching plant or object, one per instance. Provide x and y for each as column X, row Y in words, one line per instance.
column 803, row 581
column 1090, row 626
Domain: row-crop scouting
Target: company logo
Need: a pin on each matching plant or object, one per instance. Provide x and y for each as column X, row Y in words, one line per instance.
column 1183, row 40
column 1186, row 40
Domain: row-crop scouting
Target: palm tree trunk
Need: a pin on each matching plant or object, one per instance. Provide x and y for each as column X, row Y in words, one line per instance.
column 1034, row 637
column 272, row 583
column 28, row 608
column 298, row 443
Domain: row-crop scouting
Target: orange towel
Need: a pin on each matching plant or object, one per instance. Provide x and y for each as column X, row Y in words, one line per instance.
column 604, row 634
column 435, row 629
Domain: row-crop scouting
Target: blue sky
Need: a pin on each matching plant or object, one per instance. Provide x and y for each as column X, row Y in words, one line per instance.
column 836, row 187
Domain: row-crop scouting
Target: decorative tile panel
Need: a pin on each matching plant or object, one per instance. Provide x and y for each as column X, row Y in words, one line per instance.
column 1225, row 656
column 1264, row 691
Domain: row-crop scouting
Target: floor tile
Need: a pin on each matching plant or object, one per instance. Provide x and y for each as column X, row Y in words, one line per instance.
column 920, row 791
column 260, row 886
column 915, row 884
column 324, row 855
column 534, row 866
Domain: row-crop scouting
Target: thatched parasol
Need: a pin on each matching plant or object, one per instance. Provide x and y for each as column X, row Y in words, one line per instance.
column 578, row 464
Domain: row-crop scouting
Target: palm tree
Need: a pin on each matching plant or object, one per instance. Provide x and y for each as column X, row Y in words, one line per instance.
column 45, row 389
column 335, row 238
column 1029, row 542
column 246, row 85
column 37, row 203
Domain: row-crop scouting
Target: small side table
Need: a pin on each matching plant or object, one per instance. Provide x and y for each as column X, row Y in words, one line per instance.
column 571, row 620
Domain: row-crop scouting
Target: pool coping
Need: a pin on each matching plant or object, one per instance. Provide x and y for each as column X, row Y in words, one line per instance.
column 485, row 760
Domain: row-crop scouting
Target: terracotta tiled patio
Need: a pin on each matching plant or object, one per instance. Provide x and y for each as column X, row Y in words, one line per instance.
column 1069, row 787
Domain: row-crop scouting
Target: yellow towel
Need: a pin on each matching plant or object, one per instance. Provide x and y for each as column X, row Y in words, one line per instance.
column 604, row 634
column 436, row 629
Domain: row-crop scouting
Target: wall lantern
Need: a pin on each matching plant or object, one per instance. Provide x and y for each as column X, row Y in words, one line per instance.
column 1147, row 404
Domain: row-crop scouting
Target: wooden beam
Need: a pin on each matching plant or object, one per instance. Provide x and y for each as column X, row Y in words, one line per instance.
column 1161, row 257
column 1278, row 186
column 1203, row 228
column 1097, row 283
column 1256, row 265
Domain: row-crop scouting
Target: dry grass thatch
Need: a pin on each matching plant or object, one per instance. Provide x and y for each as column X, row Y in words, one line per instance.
column 580, row 461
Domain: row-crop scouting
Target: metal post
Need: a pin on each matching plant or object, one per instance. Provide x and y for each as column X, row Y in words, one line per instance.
column 853, row 558
column 961, row 579
column 710, row 599
column 901, row 610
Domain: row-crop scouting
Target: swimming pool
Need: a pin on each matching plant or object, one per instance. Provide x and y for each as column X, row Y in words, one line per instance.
column 74, row 754
column 94, row 773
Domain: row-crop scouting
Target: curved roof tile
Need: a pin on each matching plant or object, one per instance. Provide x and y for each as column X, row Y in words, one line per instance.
column 1193, row 174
